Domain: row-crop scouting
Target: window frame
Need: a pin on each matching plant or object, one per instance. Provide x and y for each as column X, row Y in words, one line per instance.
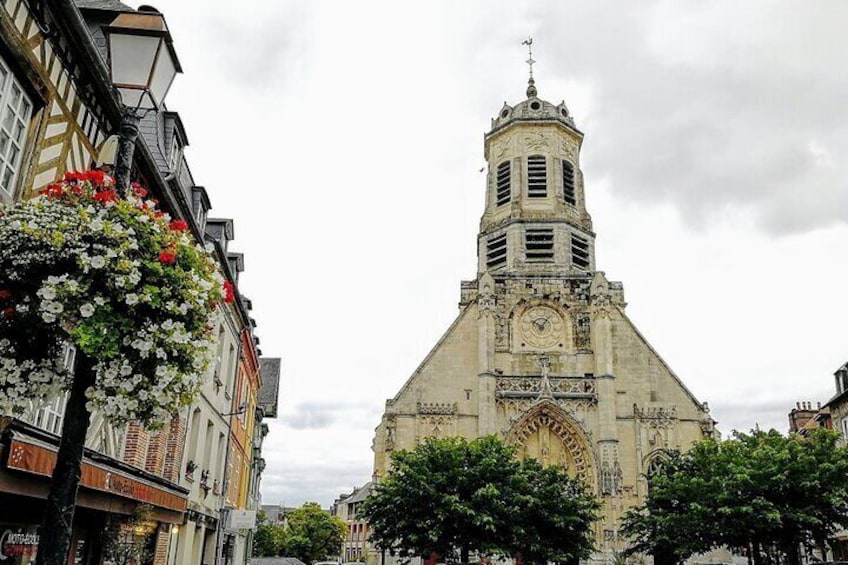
column 537, row 176
column 496, row 244
column 503, row 183
column 18, row 110
column 569, row 184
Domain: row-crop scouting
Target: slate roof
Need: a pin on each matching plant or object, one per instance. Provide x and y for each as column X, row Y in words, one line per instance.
column 111, row 5
column 276, row 561
column 269, row 368
column 359, row 494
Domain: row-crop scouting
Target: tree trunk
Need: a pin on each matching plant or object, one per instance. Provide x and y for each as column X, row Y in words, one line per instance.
column 758, row 556
column 56, row 528
column 463, row 555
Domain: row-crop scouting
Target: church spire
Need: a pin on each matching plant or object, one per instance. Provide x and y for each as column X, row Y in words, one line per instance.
column 531, row 84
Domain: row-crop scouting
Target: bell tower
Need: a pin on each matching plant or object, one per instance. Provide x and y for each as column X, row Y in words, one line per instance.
column 535, row 218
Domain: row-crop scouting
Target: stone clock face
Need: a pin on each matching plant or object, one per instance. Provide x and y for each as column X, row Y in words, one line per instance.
column 541, row 326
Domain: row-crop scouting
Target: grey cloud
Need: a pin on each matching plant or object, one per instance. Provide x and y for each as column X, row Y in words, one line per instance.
column 320, row 481
column 752, row 122
column 320, row 415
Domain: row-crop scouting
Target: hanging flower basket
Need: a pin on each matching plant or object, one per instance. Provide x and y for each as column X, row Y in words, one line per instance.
column 119, row 280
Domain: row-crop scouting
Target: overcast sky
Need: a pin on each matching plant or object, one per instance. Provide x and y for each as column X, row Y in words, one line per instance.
column 345, row 139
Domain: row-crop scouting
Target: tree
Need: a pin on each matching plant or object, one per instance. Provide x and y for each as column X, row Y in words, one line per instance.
column 762, row 492
column 313, row 534
column 130, row 290
column 452, row 497
column 269, row 540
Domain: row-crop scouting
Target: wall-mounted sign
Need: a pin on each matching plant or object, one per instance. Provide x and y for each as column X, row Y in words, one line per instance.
column 241, row 519
column 40, row 460
column 18, row 545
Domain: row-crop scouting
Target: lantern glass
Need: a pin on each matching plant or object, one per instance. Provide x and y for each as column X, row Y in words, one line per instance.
column 163, row 74
column 132, row 58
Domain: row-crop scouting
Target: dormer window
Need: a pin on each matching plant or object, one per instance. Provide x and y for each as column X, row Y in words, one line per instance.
column 579, row 252
column 568, row 183
column 539, row 245
column 537, row 177
column 502, row 183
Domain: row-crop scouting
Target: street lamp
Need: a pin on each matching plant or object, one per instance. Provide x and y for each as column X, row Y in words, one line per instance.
column 142, row 66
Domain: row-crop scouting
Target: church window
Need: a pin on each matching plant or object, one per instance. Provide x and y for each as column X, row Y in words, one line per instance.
column 568, row 183
column 579, row 252
column 503, row 183
column 539, row 245
column 496, row 251
column 15, row 110
column 537, row 177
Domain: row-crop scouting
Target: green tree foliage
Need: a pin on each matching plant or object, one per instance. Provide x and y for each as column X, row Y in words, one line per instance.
column 313, row 534
column 453, row 497
column 762, row 492
column 269, row 539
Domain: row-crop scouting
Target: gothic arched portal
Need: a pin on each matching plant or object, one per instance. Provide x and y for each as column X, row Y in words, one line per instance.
column 545, row 432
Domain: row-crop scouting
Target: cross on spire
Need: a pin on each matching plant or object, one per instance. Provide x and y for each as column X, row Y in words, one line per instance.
column 531, row 84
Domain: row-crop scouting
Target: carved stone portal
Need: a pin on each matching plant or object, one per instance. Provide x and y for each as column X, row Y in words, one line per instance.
column 547, row 433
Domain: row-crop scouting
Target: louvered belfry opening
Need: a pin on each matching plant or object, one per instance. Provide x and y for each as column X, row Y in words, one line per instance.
column 496, row 252
column 579, row 252
column 537, row 177
column 539, row 245
column 568, row 183
column 502, row 183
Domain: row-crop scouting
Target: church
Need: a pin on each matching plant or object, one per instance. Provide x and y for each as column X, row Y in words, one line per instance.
column 542, row 353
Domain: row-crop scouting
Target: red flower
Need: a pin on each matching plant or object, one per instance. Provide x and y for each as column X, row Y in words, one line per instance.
column 73, row 176
column 4, row 294
column 53, row 190
column 179, row 225
column 9, row 311
column 229, row 292
column 95, row 176
column 76, row 189
column 139, row 190
column 105, row 196
column 167, row 257
column 158, row 214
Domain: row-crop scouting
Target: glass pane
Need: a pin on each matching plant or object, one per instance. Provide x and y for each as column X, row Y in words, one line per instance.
column 16, row 95
column 13, row 155
column 23, row 111
column 3, row 75
column 4, row 142
column 7, row 178
column 19, row 132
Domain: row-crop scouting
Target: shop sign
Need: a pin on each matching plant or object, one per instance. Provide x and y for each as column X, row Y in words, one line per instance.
column 18, row 545
column 41, row 460
column 242, row 519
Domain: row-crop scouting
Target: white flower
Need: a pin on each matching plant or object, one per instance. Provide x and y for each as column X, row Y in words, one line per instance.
column 86, row 310
column 47, row 292
column 131, row 299
column 48, row 317
column 96, row 224
column 98, row 262
column 99, row 300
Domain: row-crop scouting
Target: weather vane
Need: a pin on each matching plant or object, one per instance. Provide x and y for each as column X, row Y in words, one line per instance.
column 531, row 84
column 529, row 43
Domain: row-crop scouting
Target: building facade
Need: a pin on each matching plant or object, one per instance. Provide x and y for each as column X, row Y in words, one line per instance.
column 355, row 545
column 58, row 108
column 542, row 352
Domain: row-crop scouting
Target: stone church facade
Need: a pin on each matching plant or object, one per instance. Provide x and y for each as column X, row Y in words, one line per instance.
column 542, row 352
